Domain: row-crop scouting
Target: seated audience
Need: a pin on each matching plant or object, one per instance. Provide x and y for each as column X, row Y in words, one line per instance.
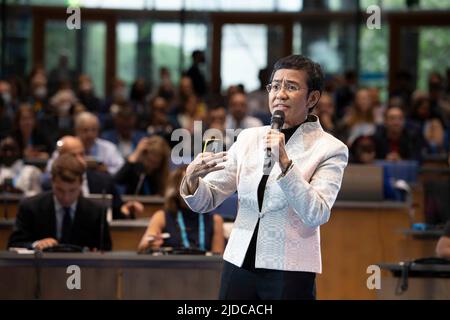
column 158, row 121
column 5, row 120
column 63, row 215
column 216, row 120
column 258, row 105
column 86, row 94
column 104, row 152
column 32, row 141
column 64, row 104
column 166, row 88
column 15, row 176
column 146, row 170
column 362, row 150
column 124, row 135
column 435, row 140
column 359, row 119
column 238, row 117
column 393, row 141
column 187, row 229
column 325, row 111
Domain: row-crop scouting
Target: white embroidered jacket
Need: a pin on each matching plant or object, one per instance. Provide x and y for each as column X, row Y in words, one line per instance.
column 294, row 205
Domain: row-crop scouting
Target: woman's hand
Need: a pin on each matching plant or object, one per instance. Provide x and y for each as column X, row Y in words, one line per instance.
column 203, row 164
column 136, row 154
column 132, row 208
column 275, row 141
column 153, row 241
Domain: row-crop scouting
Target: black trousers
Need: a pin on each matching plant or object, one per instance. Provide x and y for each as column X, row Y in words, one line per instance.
column 264, row 284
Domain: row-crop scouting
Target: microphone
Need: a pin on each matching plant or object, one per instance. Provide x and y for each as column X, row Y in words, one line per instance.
column 103, row 218
column 277, row 123
column 136, row 192
column 139, row 184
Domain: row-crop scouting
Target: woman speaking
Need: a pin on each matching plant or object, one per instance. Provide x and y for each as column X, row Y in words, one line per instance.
column 287, row 177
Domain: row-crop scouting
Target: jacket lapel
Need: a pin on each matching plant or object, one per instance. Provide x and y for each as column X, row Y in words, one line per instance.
column 48, row 209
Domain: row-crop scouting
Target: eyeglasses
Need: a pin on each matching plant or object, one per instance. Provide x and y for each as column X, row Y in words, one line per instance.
column 289, row 87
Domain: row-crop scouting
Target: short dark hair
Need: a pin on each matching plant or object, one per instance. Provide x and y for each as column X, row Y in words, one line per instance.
column 68, row 168
column 299, row 62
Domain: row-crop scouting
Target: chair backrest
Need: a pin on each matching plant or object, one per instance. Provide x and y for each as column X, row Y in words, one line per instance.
column 362, row 183
column 437, row 201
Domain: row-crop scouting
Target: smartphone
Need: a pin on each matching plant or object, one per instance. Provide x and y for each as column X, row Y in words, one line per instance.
column 164, row 235
column 92, row 162
column 213, row 145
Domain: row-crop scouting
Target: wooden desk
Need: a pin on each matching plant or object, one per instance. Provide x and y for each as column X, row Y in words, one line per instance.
column 114, row 275
column 126, row 234
column 6, row 227
column 359, row 235
column 424, row 282
column 151, row 204
column 8, row 205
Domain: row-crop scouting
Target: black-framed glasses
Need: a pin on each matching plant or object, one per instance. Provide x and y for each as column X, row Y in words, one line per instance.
column 289, row 87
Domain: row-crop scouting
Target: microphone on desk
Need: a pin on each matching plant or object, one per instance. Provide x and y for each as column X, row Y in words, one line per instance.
column 277, row 123
column 7, row 187
column 136, row 192
column 5, row 205
column 102, row 219
column 140, row 182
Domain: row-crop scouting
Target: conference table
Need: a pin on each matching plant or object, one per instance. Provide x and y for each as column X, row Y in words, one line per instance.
column 358, row 235
column 111, row 275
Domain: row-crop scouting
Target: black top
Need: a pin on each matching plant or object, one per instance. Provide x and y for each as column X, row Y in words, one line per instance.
column 130, row 177
column 102, row 182
column 38, row 140
column 249, row 261
column 191, row 222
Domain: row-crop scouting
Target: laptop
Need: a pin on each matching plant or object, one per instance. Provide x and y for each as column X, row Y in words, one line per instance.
column 362, row 182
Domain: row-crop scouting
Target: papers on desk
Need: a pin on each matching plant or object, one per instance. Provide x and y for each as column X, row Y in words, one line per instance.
column 21, row 250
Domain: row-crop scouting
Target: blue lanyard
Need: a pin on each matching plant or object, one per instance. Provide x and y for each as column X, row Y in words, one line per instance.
column 201, row 231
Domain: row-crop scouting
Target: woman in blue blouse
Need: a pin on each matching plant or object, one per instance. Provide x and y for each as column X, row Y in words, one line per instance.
column 187, row 229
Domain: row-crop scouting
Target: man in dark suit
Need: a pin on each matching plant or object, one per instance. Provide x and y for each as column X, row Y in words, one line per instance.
column 62, row 216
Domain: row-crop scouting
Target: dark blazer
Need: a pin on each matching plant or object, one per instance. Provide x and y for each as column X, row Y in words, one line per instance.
column 99, row 182
column 36, row 220
column 129, row 177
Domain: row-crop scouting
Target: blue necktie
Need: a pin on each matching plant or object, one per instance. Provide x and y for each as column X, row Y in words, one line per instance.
column 66, row 226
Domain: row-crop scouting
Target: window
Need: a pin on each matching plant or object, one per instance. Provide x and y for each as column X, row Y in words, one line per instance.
column 127, row 35
column 171, row 43
column 244, row 53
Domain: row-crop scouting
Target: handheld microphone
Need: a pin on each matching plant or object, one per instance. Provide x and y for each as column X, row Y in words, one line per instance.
column 277, row 123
